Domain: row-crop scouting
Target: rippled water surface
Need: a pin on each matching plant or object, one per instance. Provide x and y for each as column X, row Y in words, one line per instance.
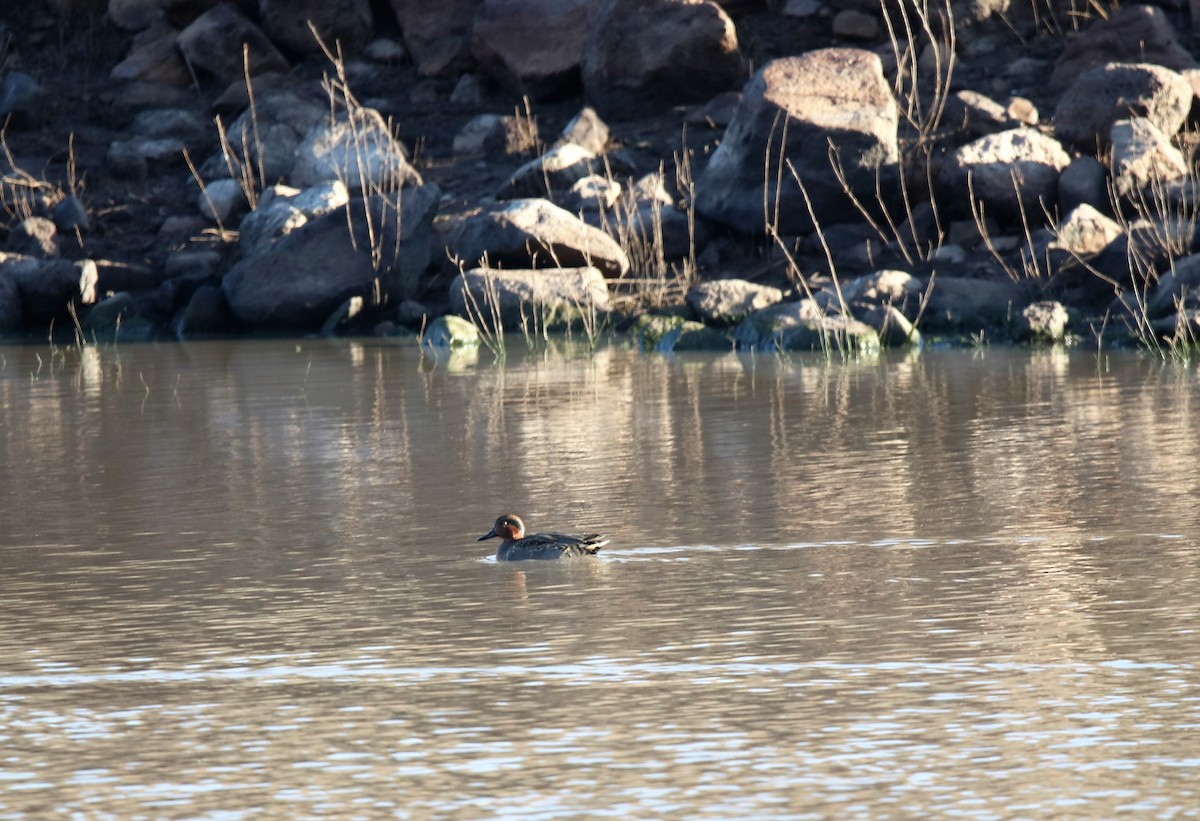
column 242, row 581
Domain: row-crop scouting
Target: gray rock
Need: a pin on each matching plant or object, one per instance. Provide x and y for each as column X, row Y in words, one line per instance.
column 103, row 321
column 586, row 130
column 1043, row 321
column 496, row 135
column 1176, row 286
column 729, row 301
column 357, row 148
column 154, row 57
column 554, row 172
column 1085, row 231
column 593, row 193
column 385, row 50
column 1010, row 172
column 347, row 23
column 300, row 280
column 1118, row 91
column 976, row 114
column 532, row 47
column 855, row 25
column 71, row 215
column 283, row 210
column 48, row 286
column 544, row 298
column 1142, row 156
column 794, row 107
column 1083, row 182
column 667, row 334
column 964, row 305
column 437, row 33
column 10, row 305
column 396, row 230
column 213, row 42
column 206, row 312
column 1133, row 34
column 803, row 325
column 220, row 200
column 450, row 332
column 266, row 135
column 532, row 233
column 468, row 91
column 641, row 56
column 22, row 101
column 894, row 328
column 34, row 237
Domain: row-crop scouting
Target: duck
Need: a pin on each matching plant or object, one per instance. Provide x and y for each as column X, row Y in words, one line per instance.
column 516, row 546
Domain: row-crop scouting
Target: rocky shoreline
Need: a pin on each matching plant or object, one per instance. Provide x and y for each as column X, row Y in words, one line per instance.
column 700, row 175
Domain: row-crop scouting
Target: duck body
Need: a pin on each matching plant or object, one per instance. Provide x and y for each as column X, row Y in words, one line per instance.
column 515, row 546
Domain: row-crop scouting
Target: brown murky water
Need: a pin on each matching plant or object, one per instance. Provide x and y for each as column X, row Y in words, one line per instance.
column 241, row 581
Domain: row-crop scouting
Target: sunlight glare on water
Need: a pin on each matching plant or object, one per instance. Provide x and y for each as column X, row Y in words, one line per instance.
column 243, row 579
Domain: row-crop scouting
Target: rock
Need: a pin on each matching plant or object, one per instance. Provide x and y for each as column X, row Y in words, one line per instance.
column 668, row 334
column 154, row 56
column 1083, row 182
column 135, row 15
column 385, row 50
column 396, row 230
column 555, row 171
column 532, row 233
column 103, row 320
column 356, row 148
column 48, row 286
column 71, row 215
column 894, row 328
column 1142, row 156
column 1043, row 322
column 976, row 114
column 133, row 158
column 277, row 125
column 546, row 298
column 803, row 325
column 468, row 91
column 882, row 288
column 22, row 101
column 34, row 237
column 855, row 25
column 437, row 33
column 532, row 47
column 587, row 131
column 298, row 282
column 282, row 210
column 1086, row 232
column 1022, row 111
column 1010, row 172
column 10, row 305
column 729, row 301
column 220, row 200
column 1176, row 285
column 1118, row 91
column 345, row 22
column 496, row 135
column 213, row 42
column 450, row 332
column 641, row 56
column 206, row 312
column 1133, row 34
column 964, row 305
column 794, row 106
column 593, row 193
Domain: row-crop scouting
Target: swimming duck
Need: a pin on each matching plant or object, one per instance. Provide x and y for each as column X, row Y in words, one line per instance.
column 516, row 546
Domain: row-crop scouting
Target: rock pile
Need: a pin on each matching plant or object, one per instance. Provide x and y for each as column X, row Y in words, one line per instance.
column 761, row 175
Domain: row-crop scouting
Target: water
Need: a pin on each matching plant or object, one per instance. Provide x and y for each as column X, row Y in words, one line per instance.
column 240, row 580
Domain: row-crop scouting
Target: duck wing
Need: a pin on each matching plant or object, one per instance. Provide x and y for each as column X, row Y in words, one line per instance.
column 557, row 545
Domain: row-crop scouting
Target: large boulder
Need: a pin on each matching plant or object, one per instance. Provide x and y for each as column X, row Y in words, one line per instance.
column 214, row 40
column 301, row 280
column 1143, row 156
column 539, row 298
column 1118, row 91
column 1012, row 172
column 344, row 22
column 532, row 233
column 728, row 301
column 792, row 110
column 282, row 210
column 48, row 286
column 437, row 33
column 357, row 148
column 532, row 47
column 1133, row 34
column 644, row 55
